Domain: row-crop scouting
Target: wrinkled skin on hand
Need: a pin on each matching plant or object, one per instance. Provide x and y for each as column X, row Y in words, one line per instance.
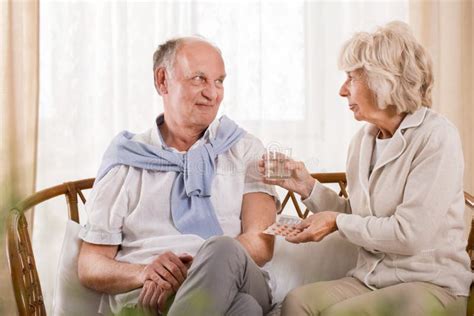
column 161, row 279
column 315, row 227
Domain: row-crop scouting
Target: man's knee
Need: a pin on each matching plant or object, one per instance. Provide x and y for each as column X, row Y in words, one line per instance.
column 222, row 246
column 220, row 252
column 244, row 304
column 221, row 242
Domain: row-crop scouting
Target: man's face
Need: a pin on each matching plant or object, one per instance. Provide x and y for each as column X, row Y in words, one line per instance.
column 195, row 88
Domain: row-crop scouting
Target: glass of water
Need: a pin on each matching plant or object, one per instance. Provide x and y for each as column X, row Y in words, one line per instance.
column 275, row 163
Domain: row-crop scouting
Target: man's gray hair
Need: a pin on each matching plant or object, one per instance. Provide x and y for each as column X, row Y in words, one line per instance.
column 165, row 54
column 398, row 68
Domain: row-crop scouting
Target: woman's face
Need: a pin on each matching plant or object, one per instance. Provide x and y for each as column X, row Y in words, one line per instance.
column 362, row 100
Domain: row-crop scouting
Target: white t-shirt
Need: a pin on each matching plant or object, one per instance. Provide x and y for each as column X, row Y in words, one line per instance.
column 130, row 206
column 379, row 147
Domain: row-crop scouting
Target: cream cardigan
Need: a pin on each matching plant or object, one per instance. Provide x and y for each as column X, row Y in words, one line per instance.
column 407, row 217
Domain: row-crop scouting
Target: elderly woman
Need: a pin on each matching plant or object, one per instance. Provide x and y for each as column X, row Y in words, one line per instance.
column 405, row 185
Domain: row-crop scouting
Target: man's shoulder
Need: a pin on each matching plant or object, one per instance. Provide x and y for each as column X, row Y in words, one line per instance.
column 145, row 137
column 251, row 140
column 249, row 143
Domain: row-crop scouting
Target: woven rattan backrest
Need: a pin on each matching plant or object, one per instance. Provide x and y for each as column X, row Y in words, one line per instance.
column 337, row 177
column 26, row 284
column 469, row 199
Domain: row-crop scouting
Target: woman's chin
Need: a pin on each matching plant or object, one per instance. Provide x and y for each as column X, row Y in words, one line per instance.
column 357, row 117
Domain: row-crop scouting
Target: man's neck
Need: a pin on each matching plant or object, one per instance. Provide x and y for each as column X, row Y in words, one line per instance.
column 180, row 138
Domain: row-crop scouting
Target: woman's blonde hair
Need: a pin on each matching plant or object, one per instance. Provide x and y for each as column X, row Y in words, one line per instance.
column 397, row 67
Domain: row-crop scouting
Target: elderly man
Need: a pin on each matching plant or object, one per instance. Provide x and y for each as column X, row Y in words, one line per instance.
column 176, row 213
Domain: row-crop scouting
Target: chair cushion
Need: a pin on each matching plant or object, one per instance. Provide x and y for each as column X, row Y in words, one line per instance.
column 294, row 265
column 70, row 297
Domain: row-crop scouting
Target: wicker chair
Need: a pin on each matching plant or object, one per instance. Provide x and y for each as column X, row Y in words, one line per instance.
column 26, row 284
column 22, row 265
column 337, row 177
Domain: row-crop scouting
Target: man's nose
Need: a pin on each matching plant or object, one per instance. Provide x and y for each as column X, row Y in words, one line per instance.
column 210, row 92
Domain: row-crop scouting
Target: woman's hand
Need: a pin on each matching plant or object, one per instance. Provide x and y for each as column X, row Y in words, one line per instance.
column 315, row 227
column 300, row 180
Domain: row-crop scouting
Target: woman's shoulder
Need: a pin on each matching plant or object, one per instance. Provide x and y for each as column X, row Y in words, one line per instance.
column 436, row 126
column 434, row 119
column 435, row 133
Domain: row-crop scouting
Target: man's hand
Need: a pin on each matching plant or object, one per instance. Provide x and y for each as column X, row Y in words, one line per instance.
column 148, row 300
column 159, row 286
column 315, row 227
column 168, row 270
column 153, row 299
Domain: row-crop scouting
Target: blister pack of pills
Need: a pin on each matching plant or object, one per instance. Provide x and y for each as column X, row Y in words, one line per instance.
column 284, row 226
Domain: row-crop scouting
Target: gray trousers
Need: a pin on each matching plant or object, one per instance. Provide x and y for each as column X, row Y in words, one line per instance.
column 223, row 280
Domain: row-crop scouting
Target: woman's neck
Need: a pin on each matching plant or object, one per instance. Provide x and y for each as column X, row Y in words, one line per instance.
column 388, row 122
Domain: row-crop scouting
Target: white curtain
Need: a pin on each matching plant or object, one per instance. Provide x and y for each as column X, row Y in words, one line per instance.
column 282, row 85
column 451, row 43
column 19, row 63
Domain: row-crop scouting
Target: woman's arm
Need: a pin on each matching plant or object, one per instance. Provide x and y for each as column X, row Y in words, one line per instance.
column 323, row 198
column 314, row 195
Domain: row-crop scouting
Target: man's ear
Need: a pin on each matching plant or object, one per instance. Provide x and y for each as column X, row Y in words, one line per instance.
column 161, row 81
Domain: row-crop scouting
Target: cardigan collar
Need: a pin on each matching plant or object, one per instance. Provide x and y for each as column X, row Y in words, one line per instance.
column 394, row 148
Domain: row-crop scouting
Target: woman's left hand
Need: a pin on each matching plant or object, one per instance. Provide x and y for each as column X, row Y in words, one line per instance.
column 315, row 227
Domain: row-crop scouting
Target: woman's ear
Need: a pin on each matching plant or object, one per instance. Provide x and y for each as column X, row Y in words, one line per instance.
column 161, row 81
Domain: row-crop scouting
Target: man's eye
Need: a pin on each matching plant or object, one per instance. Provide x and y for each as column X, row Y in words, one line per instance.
column 198, row 79
column 219, row 82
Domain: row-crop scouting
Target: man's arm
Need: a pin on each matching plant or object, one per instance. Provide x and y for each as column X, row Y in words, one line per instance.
column 258, row 212
column 98, row 270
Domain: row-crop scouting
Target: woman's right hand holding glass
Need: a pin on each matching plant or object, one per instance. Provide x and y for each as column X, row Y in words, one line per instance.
column 300, row 180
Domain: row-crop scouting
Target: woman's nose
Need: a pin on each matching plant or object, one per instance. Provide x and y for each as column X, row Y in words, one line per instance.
column 343, row 91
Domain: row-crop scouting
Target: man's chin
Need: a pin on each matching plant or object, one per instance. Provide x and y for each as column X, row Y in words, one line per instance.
column 205, row 118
